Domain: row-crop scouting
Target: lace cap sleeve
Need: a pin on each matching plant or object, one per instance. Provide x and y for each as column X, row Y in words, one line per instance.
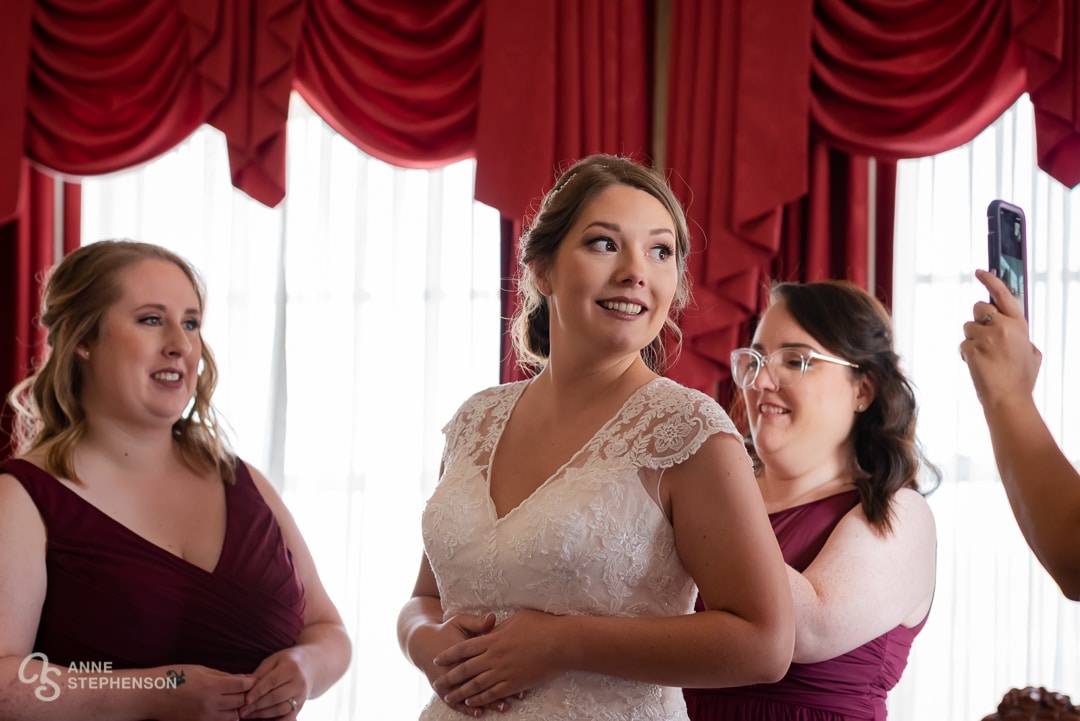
column 667, row 423
column 474, row 427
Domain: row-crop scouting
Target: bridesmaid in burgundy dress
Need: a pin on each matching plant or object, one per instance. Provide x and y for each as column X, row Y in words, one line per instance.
column 833, row 424
column 145, row 571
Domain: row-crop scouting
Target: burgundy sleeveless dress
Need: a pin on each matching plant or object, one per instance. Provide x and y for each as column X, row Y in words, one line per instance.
column 846, row 688
column 114, row 596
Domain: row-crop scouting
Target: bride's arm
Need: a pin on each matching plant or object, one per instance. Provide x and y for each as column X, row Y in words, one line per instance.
column 745, row 635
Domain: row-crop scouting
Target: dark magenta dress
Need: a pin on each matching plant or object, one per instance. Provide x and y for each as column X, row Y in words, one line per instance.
column 851, row 687
column 115, row 597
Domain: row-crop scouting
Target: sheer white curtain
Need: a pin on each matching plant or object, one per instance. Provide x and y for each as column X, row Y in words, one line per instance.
column 348, row 324
column 998, row 620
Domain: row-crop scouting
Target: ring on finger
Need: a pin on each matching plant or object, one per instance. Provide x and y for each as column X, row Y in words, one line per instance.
column 292, row 702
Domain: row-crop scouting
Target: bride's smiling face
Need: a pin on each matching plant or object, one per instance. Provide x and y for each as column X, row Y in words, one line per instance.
column 614, row 275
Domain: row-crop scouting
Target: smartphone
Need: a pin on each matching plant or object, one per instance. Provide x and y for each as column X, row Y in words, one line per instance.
column 1007, row 248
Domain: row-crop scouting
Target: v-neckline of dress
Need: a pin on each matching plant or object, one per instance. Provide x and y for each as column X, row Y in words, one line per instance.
column 558, row 472
column 138, row 538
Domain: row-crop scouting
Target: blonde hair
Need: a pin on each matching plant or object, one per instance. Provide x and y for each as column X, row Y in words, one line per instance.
column 562, row 206
column 78, row 294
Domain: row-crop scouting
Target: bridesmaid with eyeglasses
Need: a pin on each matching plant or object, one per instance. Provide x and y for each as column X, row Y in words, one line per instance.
column 832, row 419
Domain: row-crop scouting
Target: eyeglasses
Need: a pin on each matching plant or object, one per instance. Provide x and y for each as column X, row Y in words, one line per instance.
column 786, row 366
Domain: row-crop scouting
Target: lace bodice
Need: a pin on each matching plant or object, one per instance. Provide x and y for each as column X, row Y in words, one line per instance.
column 590, row 540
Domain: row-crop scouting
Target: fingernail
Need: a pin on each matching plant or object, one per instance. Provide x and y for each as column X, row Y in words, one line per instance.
column 502, row 706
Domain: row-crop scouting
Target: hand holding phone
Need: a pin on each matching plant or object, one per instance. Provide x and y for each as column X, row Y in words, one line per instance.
column 1007, row 248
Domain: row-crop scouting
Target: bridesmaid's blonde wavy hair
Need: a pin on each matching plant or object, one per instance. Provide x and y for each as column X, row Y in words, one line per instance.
column 78, row 294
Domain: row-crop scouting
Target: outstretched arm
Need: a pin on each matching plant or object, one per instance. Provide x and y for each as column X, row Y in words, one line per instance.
column 1042, row 486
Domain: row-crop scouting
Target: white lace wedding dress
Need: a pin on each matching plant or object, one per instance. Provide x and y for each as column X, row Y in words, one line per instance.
column 591, row 540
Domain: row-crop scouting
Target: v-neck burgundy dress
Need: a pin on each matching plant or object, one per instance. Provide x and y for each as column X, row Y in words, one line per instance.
column 850, row 687
column 114, row 596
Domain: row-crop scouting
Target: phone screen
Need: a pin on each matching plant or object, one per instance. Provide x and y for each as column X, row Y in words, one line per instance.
column 1007, row 240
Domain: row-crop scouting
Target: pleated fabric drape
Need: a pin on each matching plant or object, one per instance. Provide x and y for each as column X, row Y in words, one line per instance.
column 765, row 98
column 775, row 108
column 45, row 227
column 562, row 79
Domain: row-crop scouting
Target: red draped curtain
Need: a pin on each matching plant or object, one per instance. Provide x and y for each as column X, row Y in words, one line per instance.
column 565, row 79
column 98, row 87
column 738, row 103
column 824, row 233
column 776, row 107
column 45, row 225
column 398, row 80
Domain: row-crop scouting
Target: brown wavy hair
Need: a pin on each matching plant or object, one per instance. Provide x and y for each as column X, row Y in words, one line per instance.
column 578, row 186
column 855, row 325
column 78, row 293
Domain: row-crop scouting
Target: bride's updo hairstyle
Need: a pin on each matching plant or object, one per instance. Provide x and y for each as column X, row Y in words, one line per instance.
column 578, row 186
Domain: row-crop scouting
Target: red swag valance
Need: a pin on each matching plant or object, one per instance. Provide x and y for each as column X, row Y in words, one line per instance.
column 116, row 83
column 399, row 80
column 772, row 108
column 99, row 87
column 757, row 85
